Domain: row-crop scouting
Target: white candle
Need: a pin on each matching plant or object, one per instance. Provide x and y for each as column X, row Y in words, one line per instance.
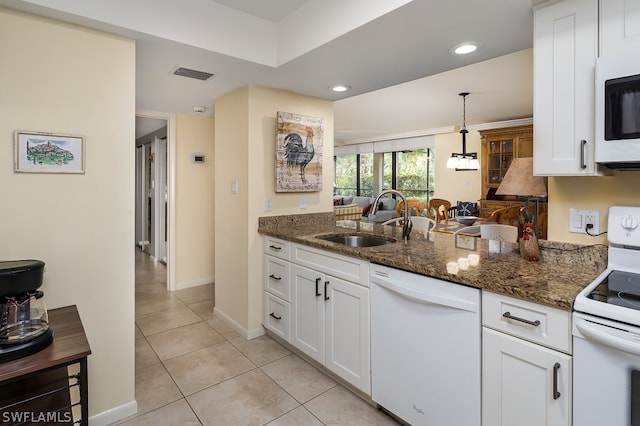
column 452, row 267
column 474, row 259
column 463, row 263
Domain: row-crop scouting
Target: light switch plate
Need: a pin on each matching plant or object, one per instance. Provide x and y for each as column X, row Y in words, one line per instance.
column 579, row 219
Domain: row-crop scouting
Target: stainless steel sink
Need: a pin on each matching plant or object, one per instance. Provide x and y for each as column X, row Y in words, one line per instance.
column 357, row 240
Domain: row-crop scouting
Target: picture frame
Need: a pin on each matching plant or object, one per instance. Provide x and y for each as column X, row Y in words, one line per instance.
column 43, row 152
column 299, row 146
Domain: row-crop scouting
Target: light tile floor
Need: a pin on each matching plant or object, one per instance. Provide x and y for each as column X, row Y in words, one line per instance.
column 192, row 369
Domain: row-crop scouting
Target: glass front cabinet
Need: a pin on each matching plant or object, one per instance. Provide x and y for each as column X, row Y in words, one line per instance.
column 499, row 148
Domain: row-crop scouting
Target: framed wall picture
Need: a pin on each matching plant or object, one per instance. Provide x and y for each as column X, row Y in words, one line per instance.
column 40, row 152
column 299, row 140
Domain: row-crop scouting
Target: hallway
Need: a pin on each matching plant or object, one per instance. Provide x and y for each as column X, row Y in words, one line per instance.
column 192, row 369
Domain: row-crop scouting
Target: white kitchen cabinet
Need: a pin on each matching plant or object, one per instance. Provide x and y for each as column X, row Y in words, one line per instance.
column 318, row 301
column 619, row 27
column 565, row 48
column 348, row 334
column 518, row 383
column 308, row 313
column 277, row 288
column 330, row 322
column 526, row 363
column 278, row 316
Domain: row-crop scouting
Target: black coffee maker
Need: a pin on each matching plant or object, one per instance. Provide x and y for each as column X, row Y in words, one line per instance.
column 24, row 324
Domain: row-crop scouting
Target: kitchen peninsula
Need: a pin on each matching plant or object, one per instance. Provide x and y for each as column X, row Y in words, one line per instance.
column 564, row 270
column 357, row 312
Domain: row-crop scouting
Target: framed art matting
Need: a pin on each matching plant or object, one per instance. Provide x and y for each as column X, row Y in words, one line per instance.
column 39, row 152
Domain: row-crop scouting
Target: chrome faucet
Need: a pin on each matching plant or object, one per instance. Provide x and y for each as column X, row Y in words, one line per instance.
column 407, row 225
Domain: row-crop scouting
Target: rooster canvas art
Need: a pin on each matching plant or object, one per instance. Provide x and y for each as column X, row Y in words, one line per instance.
column 298, row 153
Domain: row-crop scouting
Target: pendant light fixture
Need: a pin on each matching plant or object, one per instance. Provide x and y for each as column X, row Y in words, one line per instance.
column 464, row 160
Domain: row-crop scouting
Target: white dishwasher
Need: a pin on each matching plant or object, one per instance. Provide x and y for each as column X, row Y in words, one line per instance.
column 425, row 348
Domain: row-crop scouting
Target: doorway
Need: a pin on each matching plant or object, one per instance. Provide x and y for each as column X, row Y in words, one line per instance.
column 155, row 178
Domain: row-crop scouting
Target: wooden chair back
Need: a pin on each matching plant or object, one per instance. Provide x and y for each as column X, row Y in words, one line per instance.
column 438, row 210
column 507, row 215
column 413, row 204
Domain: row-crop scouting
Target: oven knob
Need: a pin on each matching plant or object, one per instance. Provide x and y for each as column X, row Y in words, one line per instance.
column 629, row 224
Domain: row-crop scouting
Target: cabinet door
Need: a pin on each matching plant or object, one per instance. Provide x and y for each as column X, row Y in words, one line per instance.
column 518, row 380
column 619, row 27
column 499, row 156
column 307, row 316
column 348, row 333
column 565, row 48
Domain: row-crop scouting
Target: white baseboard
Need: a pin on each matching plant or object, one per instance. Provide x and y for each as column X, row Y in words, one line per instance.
column 247, row 334
column 114, row 414
column 195, row 283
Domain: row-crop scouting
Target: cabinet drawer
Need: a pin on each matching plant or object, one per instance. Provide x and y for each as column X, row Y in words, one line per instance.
column 347, row 268
column 277, row 316
column 277, row 277
column 537, row 323
column 277, row 248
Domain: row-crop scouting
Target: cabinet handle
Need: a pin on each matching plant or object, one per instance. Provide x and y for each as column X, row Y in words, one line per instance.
column 275, row 277
column 556, row 367
column 583, row 154
column 317, row 286
column 508, row 315
column 272, row 315
column 326, row 297
column 275, row 247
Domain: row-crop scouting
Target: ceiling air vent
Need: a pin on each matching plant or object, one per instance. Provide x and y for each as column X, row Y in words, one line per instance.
column 187, row 72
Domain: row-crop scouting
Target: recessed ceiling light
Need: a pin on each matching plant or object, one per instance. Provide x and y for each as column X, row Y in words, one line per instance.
column 340, row 88
column 464, row 48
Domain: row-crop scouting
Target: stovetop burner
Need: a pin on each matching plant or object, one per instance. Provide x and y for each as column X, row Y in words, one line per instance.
column 618, row 288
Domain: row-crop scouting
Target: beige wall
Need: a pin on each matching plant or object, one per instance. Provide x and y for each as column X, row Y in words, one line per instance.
column 450, row 184
column 63, row 78
column 194, row 202
column 589, row 193
column 245, row 150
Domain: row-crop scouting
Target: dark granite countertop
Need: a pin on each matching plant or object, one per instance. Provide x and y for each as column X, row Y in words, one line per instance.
column 564, row 270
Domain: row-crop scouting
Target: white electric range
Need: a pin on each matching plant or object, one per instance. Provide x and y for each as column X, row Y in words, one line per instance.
column 606, row 332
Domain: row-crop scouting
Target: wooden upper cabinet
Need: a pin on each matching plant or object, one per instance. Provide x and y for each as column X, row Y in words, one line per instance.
column 499, row 147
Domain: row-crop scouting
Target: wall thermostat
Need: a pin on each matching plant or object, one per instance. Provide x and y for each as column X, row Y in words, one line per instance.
column 197, row 157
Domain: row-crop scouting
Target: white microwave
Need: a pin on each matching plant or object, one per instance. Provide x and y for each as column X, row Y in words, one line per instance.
column 617, row 114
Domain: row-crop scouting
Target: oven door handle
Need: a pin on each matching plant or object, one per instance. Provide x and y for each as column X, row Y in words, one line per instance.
column 607, row 339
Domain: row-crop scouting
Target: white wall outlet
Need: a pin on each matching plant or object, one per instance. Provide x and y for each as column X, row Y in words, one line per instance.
column 268, row 205
column 580, row 219
column 303, row 202
column 234, row 186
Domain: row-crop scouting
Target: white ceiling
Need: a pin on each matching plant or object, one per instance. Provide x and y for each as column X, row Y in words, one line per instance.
column 393, row 53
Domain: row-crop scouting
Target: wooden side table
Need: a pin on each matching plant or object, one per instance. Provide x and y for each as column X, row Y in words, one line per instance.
column 37, row 388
